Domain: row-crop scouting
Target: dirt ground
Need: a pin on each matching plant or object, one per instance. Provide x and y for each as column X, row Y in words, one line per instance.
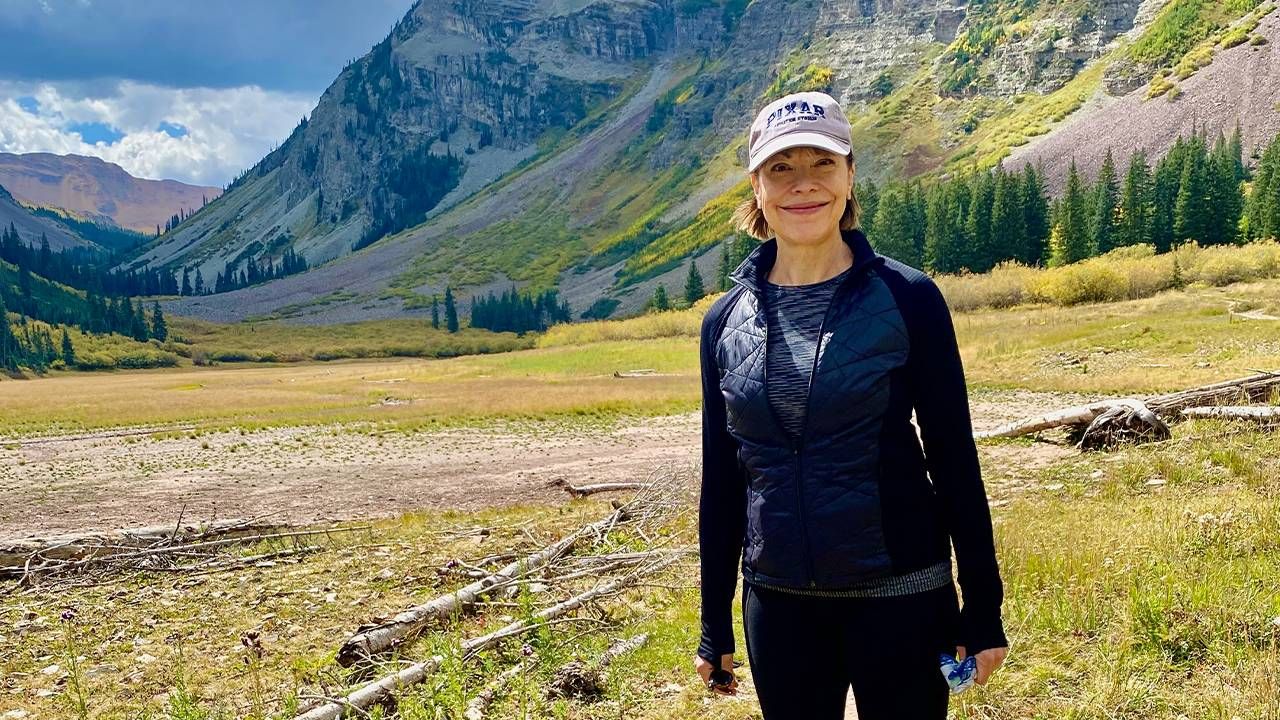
column 108, row 480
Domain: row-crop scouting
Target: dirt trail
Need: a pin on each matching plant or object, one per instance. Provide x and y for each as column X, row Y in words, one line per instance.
column 109, row 480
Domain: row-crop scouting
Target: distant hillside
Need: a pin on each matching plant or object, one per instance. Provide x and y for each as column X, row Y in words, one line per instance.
column 31, row 227
column 596, row 146
column 93, row 189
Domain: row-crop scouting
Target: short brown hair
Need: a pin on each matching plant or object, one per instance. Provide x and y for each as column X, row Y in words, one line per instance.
column 749, row 218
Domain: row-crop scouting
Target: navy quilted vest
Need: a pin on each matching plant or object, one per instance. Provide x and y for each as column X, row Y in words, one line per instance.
column 814, row 508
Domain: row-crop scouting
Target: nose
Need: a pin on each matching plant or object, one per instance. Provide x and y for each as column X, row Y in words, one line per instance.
column 804, row 180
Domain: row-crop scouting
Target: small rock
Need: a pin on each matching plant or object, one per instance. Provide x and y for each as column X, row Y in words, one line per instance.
column 147, row 658
column 51, row 670
column 1155, row 482
column 1054, row 487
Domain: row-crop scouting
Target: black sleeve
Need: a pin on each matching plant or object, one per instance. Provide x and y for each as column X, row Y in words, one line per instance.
column 942, row 411
column 722, row 506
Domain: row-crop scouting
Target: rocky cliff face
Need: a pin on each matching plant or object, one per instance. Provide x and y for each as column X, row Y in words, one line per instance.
column 582, row 108
column 455, row 96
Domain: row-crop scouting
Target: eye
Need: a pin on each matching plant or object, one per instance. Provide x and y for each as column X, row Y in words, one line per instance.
column 779, row 167
column 825, row 161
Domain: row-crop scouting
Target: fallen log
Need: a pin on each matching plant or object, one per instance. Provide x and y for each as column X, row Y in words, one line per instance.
column 1256, row 413
column 578, row 679
column 584, row 490
column 15, row 554
column 382, row 689
column 1254, row 388
column 381, row 637
column 1241, row 391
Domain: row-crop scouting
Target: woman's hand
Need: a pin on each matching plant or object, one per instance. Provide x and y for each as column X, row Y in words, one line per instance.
column 988, row 660
column 705, row 669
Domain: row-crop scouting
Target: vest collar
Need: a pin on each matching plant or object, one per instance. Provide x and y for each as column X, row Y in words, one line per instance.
column 752, row 271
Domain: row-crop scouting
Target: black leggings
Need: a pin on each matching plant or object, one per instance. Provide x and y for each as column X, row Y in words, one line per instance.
column 806, row 651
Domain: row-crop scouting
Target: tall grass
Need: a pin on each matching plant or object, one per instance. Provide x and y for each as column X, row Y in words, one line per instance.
column 1123, row 274
column 672, row 323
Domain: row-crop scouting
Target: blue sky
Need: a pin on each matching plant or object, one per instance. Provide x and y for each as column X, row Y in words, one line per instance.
column 174, row 88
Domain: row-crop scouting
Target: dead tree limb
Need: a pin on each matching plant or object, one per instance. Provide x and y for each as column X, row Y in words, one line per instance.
column 384, row 636
column 585, row 490
column 382, row 689
column 1254, row 388
column 1256, row 413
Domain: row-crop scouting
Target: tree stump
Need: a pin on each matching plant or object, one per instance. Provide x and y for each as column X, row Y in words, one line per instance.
column 1131, row 422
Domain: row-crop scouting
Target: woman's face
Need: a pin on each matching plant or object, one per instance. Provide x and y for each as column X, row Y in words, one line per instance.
column 803, row 192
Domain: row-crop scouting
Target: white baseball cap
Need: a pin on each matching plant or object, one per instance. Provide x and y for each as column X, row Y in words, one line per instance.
column 806, row 119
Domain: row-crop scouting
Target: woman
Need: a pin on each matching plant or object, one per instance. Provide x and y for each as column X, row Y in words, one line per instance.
column 811, row 368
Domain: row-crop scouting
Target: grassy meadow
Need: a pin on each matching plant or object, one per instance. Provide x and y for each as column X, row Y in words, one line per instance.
column 1140, row 584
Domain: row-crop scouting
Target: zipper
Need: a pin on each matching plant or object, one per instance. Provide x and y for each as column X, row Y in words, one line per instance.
column 856, row 270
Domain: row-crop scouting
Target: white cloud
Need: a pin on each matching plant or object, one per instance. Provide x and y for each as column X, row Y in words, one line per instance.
column 229, row 129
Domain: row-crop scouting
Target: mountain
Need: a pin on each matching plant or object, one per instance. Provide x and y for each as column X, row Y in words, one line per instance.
column 31, row 228
column 93, row 189
column 596, row 146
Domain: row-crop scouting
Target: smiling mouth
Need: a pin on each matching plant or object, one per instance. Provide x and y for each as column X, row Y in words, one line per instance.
column 808, row 207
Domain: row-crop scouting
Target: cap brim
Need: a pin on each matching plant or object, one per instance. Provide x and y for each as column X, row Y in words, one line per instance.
column 798, row 139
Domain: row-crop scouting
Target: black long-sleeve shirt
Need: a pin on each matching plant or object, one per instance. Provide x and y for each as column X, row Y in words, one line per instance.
column 936, row 386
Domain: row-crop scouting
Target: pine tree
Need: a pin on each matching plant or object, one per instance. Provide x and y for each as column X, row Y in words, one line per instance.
column 1226, row 203
column 869, row 198
column 722, row 266
column 8, row 341
column 1071, row 225
column 186, row 283
column 450, row 312
column 944, row 234
column 660, row 301
column 159, row 329
column 1134, row 225
column 198, row 287
column 68, row 351
column 1008, row 219
column 1189, row 209
column 693, row 290
column 980, row 253
column 1035, row 207
column 895, row 235
column 1102, row 217
column 919, row 210
column 435, row 312
column 137, row 322
column 1164, row 197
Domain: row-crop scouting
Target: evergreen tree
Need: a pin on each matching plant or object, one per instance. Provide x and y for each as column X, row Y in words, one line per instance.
column 869, row 199
column 722, row 266
column 1263, row 208
column 693, row 290
column 944, row 233
column 186, row 283
column 895, row 235
column 1134, row 225
column 1071, row 224
column 1225, row 202
column 68, row 351
column 980, row 252
column 1189, row 210
column 450, row 312
column 198, row 287
column 1008, row 219
column 435, row 312
column 159, row 329
column 660, row 301
column 1102, row 217
column 137, row 322
column 1035, row 207
column 8, row 341
column 1164, row 196
column 918, row 206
